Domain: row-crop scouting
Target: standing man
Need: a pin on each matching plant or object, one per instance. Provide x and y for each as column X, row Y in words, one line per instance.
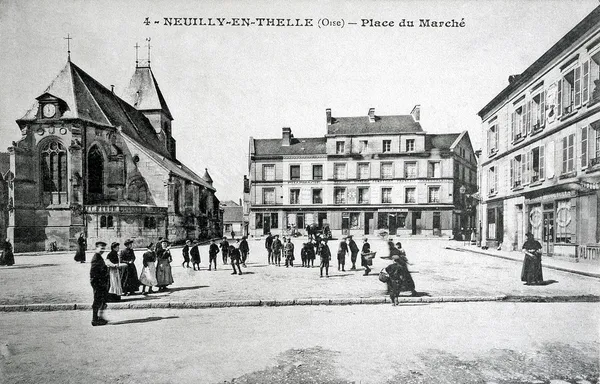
column 289, row 253
column 195, row 254
column 224, row 249
column 268, row 245
column 99, row 283
column 325, row 254
column 212, row 254
column 341, row 255
column 244, row 250
column 366, row 256
column 186, row 254
column 234, row 253
column 276, row 249
column 353, row 251
column 309, row 232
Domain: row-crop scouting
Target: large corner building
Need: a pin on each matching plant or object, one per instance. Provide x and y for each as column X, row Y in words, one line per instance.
column 368, row 173
column 541, row 152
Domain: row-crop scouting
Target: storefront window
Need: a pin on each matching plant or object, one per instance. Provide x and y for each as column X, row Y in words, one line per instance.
column 564, row 223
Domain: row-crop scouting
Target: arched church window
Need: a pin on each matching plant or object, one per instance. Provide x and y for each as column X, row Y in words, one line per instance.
column 95, row 167
column 54, row 167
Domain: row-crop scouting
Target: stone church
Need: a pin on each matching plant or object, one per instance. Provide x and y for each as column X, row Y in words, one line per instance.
column 93, row 162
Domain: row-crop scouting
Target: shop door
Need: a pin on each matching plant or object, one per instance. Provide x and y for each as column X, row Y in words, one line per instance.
column 392, row 224
column 548, row 234
column 266, row 224
column 368, row 222
column 416, row 223
column 345, row 225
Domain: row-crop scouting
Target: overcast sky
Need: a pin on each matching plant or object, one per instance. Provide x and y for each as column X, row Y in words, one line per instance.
column 224, row 84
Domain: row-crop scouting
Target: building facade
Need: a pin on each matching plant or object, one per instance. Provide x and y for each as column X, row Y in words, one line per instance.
column 367, row 174
column 233, row 218
column 540, row 161
column 94, row 163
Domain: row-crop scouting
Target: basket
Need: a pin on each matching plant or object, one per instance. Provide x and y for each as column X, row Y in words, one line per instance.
column 383, row 276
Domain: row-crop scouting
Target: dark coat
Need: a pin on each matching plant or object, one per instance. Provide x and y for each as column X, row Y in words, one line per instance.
column 353, row 246
column 244, row 246
column 186, row 252
column 269, row 242
column 213, row 250
column 195, row 253
column 98, row 272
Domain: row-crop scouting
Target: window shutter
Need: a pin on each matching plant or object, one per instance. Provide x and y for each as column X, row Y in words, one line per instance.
column 585, row 80
column 496, row 172
column 528, row 117
column 584, row 147
column 577, row 84
column 550, row 164
column 512, row 172
column 564, row 155
column 523, row 168
column 543, row 107
column 512, row 126
column 542, row 164
column 497, row 138
column 559, row 98
column 529, row 166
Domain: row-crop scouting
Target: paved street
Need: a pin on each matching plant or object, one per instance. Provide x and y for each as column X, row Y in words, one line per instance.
column 425, row 343
column 437, row 272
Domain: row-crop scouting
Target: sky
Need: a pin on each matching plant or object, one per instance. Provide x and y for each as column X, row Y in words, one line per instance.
column 224, row 84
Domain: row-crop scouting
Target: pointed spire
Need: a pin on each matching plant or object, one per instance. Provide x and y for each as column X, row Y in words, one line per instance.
column 207, row 177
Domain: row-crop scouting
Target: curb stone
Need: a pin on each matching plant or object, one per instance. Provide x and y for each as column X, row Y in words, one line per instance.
column 303, row 302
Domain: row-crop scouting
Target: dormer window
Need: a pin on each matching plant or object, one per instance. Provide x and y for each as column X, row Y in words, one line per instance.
column 340, row 147
column 410, row 145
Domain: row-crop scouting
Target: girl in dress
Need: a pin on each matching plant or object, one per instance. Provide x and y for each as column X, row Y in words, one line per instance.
column 114, row 276
column 163, row 267
column 148, row 276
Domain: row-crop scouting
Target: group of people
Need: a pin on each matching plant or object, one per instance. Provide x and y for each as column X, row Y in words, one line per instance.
column 237, row 253
column 397, row 275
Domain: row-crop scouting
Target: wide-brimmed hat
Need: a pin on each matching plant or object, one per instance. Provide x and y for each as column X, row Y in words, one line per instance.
column 114, row 244
column 128, row 241
column 100, row 244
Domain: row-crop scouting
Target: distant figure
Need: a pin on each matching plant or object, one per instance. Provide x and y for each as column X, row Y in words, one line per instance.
column 325, row 255
column 224, row 250
column 232, row 235
column 288, row 250
column 164, row 276
column 532, row 263
column 148, row 275
column 268, row 246
column 81, row 247
column 213, row 250
column 311, row 254
column 99, row 282
column 115, row 289
column 309, row 232
column 327, row 232
column 341, row 255
column 130, row 281
column 244, row 250
column 353, row 251
column 195, row 254
column 276, row 250
column 8, row 257
column 366, row 258
column 234, row 253
column 185, row 251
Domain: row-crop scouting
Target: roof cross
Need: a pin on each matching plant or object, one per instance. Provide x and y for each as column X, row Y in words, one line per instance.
column 68, row 38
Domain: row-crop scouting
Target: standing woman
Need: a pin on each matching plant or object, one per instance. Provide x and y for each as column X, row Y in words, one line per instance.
column 8, row 258
column 81, row 247
column 148, row 276
column 163, row 267
column 114, row 276
column 130, row 281
column 532, row 264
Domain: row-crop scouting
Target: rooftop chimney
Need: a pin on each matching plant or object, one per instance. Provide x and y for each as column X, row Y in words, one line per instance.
column 371, row 115
column 416, row 113
column 287, row 136
column 328, row 113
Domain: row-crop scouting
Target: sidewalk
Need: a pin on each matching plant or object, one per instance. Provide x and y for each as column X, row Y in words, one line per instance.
column 585, row 269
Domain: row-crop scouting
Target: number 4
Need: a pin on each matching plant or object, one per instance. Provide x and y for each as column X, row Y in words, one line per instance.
column 147, row 21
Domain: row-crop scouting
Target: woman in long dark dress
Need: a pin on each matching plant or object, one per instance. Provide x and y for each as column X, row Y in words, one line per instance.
column 130, row 281
column 8, row 257
column 164, row 276
column 81, row 247
column 400, row 277
column 531, row 273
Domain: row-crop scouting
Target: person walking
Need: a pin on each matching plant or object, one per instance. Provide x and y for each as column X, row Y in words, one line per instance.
column 195, row 254
column 531, row 273
column 288, row 250
column 224, row 250
column 99, row 281
column 325, row 254
column 244, row 250
column 268, row 246
column 130, row 281
column 148, row 275
column 213, row 250
column 81, row 247
column 232, row 235
column 353, row 252
column 366, row 257
column 164, row 276
column 186, row 254
column 341, row 255
column 234, row 254
column 276, row 251
column 115, row 289
column 7, row 257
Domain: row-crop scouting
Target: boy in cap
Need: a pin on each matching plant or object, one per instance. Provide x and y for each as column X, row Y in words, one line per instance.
column 341, row 255
column 268, row 245
column 212, row 254
column 195, row 254
column 276, row 248
column 234, row 254
column 353, row 252
column 325, row 254
column 186, row 254
column 99, row 283
column 244, row 250
column 224, row 249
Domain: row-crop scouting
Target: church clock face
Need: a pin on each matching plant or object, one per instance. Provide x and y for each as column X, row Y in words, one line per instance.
column 49, row 110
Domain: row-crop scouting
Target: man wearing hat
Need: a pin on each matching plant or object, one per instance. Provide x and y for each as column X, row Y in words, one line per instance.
column 234, row 254
column 195, row 254
column 99, row 283
column 276, row 250
column 532, row 264
column 130, row 281
column 185, row 251
column 244, row 250
column 366, row 257
column 341, row 254
column 325, row 255
column 353, row 251
column 268, row 246
column 224, row 250
column 213, row 250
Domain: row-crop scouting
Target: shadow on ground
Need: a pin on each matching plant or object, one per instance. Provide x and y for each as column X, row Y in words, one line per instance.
column 145, row 320
column 29, row 266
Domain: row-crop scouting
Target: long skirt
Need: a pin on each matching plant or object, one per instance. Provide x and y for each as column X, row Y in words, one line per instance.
column 114, row 278
column 148, row 276
column 532, row 269
column 130, row 279
column 163, row 273
column 7, row 258
column 80, row 254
